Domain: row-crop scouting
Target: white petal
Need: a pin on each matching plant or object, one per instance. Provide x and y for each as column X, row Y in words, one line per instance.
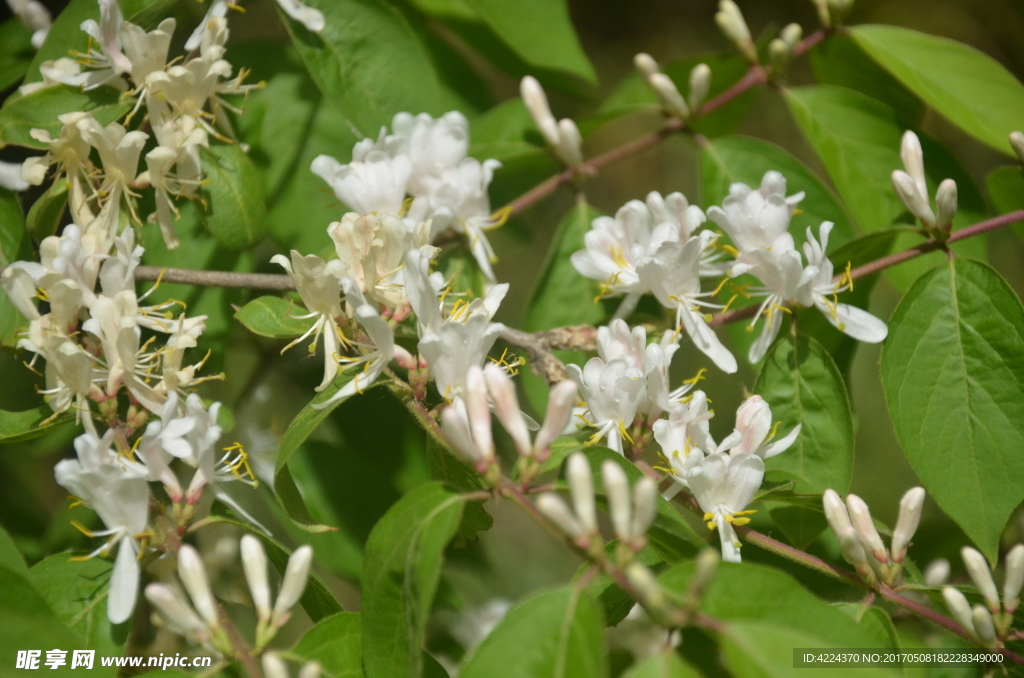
column 854, row 322
column 124, row 583
column 707, row 341
column 781, row 445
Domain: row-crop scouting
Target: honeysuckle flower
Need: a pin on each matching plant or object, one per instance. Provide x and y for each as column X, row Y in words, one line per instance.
column 672, row 273
column 754, row 431
column 119, row 152
column 218, row 10
column 1014, row 579
column 193, row 576
column 63, row 71
column 35, row 16
column 700, row 85
column 70, row 153
column 164, row 439
column 373, row 248
column 70, row 376
column 146, row 52
column 375, row 184
column 1017, row 144
column 423, row 288
column 296, row 575
column 860, row 517
column 159, row 163
column 176, row 612
column 613, row 392
column 108, row 63
column 183, row 335
column 684, row 438
column 319, row 286
column 120, row 496
column 757, row 219
column 433, row 145
column 977, row 567
column 311, row 18
column 984, row 627
column 724, row 485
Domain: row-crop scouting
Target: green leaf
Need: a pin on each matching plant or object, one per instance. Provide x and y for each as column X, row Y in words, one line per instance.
column 335, row 643
column 969, row 88
column 670, row 535
column 46, row 213
column 14, row 245
column 10, row 556
column 40, row 109
column 401, row 570
column 614, row 602
column 1006, row 188
column 803, row 386
column 666, row 664
column 801, row 525
column 20, row 426
column 16, row 52
column 272, row 317
column 953, row 374
column 549, row 43
column 558, row 633
column 368, row 61
column 729, row 159
column 875, row 621
column 236, row 209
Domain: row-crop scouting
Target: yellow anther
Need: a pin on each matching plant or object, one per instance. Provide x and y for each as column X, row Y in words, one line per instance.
column 697, row 377
column 41, row 293
column 622, row 430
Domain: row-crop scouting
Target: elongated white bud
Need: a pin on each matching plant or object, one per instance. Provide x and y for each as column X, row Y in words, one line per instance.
column 913, row 160
column 457, row 434
column 193, row 576
column 570, row 143
column 254, row 563
column 860, row 516
column 581, row 487
column 479, row 411
column 645, row 507
column 537, row 104
column 555, row 508
column 912, row 198
column 274, row 666
column 646, row 64
column 616, row 486
column 906, row 524
column 851, row 547
column 311, row 669
column 945, row 204
column 671, row 100
column 506, row 406
column 835, row 511
column 937, row 572
column 959, row 608
column 1017, row 142
column 646, row 584
column 560, row 402
column 1014, row 578
column 730, row 20
column 700, row 85
column 981, row 575
column 175, row 610
column 984, row 627
column 295, row 577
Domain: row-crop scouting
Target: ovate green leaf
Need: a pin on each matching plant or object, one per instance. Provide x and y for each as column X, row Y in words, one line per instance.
column 236, row 209
column 40, row 109
column 272, row 317
column 666, row 664
column 335, row 643
column 44, row 217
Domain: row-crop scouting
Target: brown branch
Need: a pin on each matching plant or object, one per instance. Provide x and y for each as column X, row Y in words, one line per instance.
column 270, row 282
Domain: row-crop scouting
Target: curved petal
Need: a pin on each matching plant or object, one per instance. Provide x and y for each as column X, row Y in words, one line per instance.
column 124, row 583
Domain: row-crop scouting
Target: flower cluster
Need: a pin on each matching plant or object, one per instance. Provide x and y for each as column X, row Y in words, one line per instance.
column 988, row 623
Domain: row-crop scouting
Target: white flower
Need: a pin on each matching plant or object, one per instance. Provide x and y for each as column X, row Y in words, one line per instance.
column 319, row 285
column 63, row 71
column 146, row 52
column 11, row 178
column 422, row 288
column 70, row 377
column 685, row 437
column 672, row 273
column 754, row 431
column 375, row 184
column 433, row 145
column 70, row 152
column 164, row 439
column 312, row 19
column 724, row 485
column 119, row 152
column 159, row 163
column 757, row 219
column 911, row 186
column 613, row 392
column 373, row 249
column 467, row 422
column 108, row 63
column 35, row 16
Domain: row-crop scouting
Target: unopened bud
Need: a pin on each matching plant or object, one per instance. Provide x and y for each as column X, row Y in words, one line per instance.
column 912, row 198
column 555, row 508
column 671, row 100
column 937, row 572
column 537, row 104
column 835, row 511
column 1017, row 142
column 506, row 406
column 617, row 489
column 945, row 204
column 646, row 64
column 860, row 516
column 791, row 34
column 700, row 85
column 645, row 507
column 560, row 402
column 824, row 15
column 981, row 575
column 254, row 563
column 906, row 524
column 913, row 160
column 778, row 53
column 730, row 20
column 1014, row 578
column 311, row 669
column 959, row 608
column 984, row 627
column 705, row 567
column 176, row 611
column 193, row 576
column 478, row 411
column 570, row 143
column 646, row 585
column 457, row 434
column 295, row 577
column 853, row 552
column 581, row 487
column 273, row 666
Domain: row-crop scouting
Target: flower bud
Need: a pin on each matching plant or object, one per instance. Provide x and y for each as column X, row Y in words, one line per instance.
column 273, row 666
column 705, row 567
column 914, row 200
column 555, row 508
column 984, row 627
column 560, row 401
column 981, row 575
column 295, row 577
column 669, row 95
column 506, row 406
column 823, row 14
column 581, row 487
column 730, row 20
column 617, row 489
column 478, row 411
column 175, row 610
column 945, row 204
column 645, row 507
column 959, row 608
column 254, row 562
column 457, row 434
column 860, row 516
column 778, row 53
column 537, row 104
column 646, row 64
column 913, row 160
column 835, row 511
column 937, row 572
column 700, row 85
column 1016, row 141
column 906, row 524
column 1014, row 578
column 852, row 549
column 311, row 669
column 193, row 576
column 646, row 585
column 570, row 143
column 791, row 34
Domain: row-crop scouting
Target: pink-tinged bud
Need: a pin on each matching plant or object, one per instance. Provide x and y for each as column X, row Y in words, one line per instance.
column 616, row 487
column 912, row 198
column 570, row 143
column 645, row 507
column 506, row 406
column 537, row 104
column 274, row 666
column 560, row 402
column 671, row 100
column 1016, row 141
column 457, row 435
column 913, row 160
column 906, row 525
column 959, row 608
column 981, row 575
column 937, row 572
column 851, row 547
column 835, row 511
column 555, row 508
column 1014, row 578
column 860, row 516
column 581, row 487
column 478, row 411
column 646, row 65
column 945, row 204
column 294, row 583
column 193, row 576
column 984, row 627
column 176, row 611
column 700, row 85
column 254, row 563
